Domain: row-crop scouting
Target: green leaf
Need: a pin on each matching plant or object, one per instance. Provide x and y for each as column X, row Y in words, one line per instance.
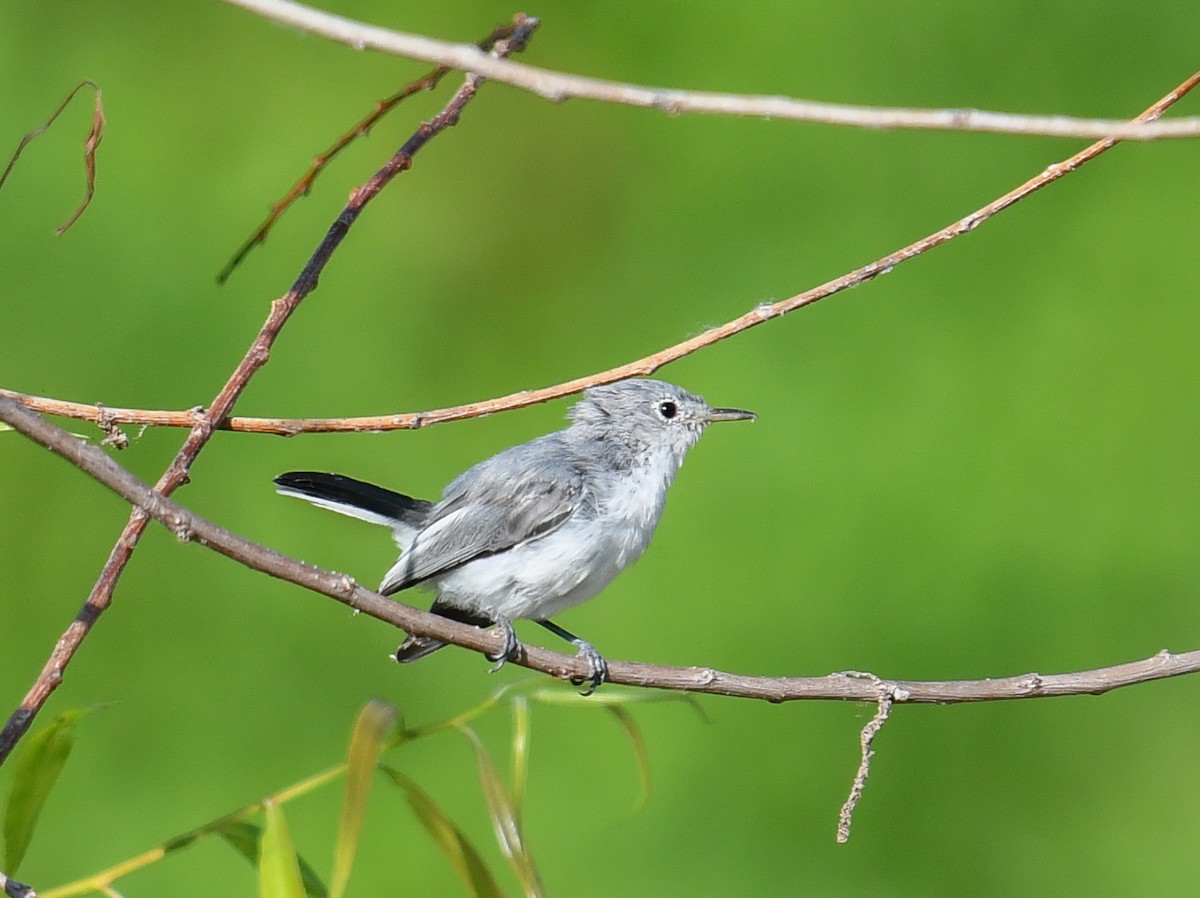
column 520, row 753
column 245, row 839
column 278, row 866
column 462, row 855
column 374, row 722
column 639, row 749
column 559, row 694
column 35, row 771
column 505, row 820
column 461, row 719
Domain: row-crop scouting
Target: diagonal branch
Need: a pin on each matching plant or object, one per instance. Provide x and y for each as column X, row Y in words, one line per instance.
column 206, row 423
column 848, row 686
column 641, row 367
column 558, row 86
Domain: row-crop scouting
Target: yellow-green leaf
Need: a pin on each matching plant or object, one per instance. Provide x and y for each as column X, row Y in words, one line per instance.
column 639, row 749
column 278, row 866
column 374, row 722
column 505, row 820
column 454, row 844
column 245, row 838
column 35, row 771
column 520, row 752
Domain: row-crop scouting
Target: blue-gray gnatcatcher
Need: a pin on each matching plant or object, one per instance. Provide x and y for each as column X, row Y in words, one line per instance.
column 542, row 526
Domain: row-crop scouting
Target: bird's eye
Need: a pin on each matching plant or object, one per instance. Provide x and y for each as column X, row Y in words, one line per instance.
column 667, row 409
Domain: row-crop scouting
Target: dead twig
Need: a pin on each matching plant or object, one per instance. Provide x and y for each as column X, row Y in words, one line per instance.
column 90, row 144
column 865, row 740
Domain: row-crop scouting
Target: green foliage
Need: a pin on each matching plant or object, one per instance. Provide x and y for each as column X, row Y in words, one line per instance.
column 374, row 723
column 625, row 719
column 36, row 769
column 505, row 822
column 284, row 873
column 462, row 856
column 520, row 751
column 247, row 839
column 278, row 866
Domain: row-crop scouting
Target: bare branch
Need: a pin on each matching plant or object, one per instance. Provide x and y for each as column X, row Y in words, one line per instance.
column 206, row 423
column 641, row 367
column 558, row 86
column 837, row 686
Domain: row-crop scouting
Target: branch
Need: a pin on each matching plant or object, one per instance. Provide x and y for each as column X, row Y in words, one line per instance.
column 641, row 367
column 848, row 686
column 206, row 423
column 559, row 86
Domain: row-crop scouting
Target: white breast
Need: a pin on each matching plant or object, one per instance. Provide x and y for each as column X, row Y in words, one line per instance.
column 569, row 566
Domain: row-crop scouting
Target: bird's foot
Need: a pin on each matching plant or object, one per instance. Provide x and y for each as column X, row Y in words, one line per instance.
column 511, row 644
column 597, row 666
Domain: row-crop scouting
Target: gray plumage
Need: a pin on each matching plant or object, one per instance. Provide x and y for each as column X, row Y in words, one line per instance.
column 542, row 526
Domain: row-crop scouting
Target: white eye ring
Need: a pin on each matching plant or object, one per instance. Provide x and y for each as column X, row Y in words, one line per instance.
column 668, row 409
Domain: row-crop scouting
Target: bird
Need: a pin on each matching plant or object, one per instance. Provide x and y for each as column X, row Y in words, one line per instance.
column 537, row 528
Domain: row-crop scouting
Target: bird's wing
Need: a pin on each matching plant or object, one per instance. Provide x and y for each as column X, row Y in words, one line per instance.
column 486, row 514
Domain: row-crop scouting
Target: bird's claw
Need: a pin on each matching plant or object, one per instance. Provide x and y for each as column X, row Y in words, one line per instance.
column 510, row 647
column 597, row 667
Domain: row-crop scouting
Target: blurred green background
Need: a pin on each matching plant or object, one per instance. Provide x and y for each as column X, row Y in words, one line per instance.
column 980, row 465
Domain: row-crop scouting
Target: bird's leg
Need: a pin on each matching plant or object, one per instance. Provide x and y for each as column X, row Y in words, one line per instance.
column 597, row 666
column 511, row 644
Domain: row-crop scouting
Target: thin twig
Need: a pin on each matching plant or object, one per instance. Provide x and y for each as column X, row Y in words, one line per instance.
column 558, row 86
column 865, row 739
column 641, row 367
column 189, row 527
column 90, row 144
column 363, row 127
column 208, row 422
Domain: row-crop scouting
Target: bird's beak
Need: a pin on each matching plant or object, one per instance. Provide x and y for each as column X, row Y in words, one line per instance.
column 730, row 414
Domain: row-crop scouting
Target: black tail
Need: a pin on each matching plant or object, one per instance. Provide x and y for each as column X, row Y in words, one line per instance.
column 346, row 494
